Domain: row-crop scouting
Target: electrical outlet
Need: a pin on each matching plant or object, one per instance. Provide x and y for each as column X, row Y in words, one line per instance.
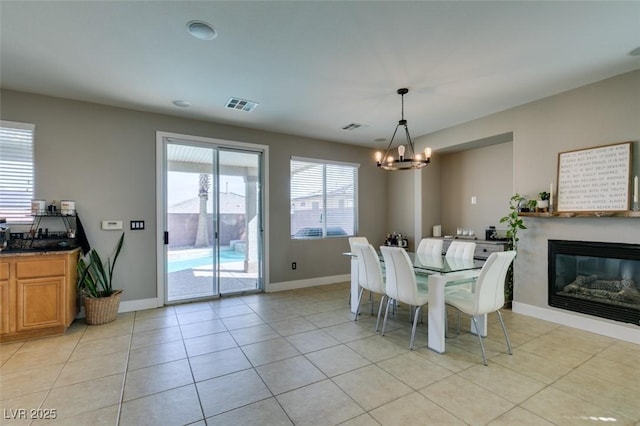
column 293, row 265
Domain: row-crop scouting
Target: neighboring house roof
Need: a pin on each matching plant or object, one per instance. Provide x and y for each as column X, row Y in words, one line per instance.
column 229, row 203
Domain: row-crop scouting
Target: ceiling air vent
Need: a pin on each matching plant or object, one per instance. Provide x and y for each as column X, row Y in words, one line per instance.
column 241, row 104
column 351, row 126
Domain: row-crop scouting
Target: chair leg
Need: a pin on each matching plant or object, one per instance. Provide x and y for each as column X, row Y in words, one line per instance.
column 380, row 311
column 358, row 306
column 484, row 354
column 413, row 330
column 371, row 301
column 504, row 330
column 446, row 323
column 386, row 312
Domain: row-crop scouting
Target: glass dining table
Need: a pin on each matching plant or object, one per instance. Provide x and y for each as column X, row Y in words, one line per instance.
column 441, row 272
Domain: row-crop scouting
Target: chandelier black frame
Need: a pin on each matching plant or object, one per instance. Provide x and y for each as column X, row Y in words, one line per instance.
column 403, row 162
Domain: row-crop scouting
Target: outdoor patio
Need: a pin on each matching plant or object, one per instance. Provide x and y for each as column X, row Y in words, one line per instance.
column 197, row 281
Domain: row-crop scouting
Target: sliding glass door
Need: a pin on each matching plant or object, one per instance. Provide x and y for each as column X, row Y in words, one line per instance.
column 212, row 217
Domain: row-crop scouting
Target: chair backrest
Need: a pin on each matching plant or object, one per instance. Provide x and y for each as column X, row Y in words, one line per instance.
column 461, row 249
column 357, row 240
column 401, row 279
column 430, row 247
column 369, row 269
column 489, row 292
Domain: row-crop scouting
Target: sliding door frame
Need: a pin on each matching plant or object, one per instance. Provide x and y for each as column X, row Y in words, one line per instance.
column 161, row 185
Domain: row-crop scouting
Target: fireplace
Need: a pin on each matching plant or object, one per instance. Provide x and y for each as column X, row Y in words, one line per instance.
column 596, row 278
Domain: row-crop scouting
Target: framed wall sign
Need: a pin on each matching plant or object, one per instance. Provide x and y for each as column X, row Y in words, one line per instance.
column 594, row 179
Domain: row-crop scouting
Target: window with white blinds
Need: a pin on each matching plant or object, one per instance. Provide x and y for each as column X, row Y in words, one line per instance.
column 16, row 171
column 323, row 198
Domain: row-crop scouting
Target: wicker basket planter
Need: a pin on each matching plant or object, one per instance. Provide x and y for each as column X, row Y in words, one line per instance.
column 103, row 309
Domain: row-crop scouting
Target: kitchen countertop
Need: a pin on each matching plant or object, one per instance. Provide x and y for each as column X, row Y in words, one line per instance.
column 37, row 251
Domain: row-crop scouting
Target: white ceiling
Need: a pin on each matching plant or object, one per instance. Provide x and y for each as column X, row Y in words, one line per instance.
column 317, row 66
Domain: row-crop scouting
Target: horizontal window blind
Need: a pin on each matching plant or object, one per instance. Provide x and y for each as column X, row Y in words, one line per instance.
column 16, row 171
column 323, row 198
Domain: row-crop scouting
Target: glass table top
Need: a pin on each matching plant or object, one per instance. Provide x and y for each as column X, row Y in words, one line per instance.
column 440, row 264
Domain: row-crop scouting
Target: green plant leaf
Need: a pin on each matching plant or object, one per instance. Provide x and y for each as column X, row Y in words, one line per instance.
column 93, row 279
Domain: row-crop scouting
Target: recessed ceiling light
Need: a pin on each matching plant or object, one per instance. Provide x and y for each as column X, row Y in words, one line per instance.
column 182, row 104
column 635, row 52
column 201, row 30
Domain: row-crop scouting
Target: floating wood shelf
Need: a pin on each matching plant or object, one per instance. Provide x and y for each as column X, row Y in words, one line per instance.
column 628, row 213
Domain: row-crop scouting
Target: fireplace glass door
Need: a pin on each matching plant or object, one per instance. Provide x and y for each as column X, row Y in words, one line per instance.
column 600, row 279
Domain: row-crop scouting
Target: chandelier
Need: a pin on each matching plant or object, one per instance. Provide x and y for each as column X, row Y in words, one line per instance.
column 413, row 160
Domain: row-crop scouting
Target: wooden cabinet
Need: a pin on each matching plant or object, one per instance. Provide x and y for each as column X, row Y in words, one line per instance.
column 37, row 294
column 4, row 297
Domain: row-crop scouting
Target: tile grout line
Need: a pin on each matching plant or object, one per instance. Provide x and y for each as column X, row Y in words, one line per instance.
column 126, row 369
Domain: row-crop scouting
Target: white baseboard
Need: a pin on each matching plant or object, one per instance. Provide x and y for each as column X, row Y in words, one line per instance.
column 130, row 306
column 139, row 305
column 627, row 332
column 311, row 282
column 142, row 304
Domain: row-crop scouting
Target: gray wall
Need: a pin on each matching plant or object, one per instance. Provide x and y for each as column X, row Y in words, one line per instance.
column 602, row 113
column 485, row 173
column 445, row 190
column 104, row 158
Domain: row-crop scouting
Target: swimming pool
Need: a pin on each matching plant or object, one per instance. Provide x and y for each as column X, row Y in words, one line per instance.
column 226, row 256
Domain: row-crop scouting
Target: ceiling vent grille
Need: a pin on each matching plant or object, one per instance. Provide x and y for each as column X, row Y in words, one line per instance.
column 241, row 104
column 351, row 126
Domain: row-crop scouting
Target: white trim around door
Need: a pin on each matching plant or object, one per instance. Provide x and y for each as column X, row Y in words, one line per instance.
column 161, row 137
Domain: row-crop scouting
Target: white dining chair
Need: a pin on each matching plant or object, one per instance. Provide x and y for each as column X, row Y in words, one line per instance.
column 352, row 241
column 370, row 277
column 401, row 285
column 461, row 249
column 459, row 252
column 357, row 240
column 430, row 247
column 487, row 295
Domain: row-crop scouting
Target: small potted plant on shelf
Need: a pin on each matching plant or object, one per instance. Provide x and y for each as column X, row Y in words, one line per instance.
column 543, row 202
column 95, row 282
column 531, row 205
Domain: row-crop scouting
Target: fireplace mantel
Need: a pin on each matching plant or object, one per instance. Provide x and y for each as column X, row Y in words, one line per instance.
column 628, row 213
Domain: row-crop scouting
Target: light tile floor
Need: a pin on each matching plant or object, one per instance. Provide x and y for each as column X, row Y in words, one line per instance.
column 297, row 357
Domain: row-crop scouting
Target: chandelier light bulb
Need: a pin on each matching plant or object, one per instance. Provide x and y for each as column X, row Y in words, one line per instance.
column 401, row 150
column 378, row 156
column 418, row 157
column 389, row 159
column 427, row 152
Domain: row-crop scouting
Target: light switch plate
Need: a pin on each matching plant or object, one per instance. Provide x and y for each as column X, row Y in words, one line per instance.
column 110, row 225
column 136, row 225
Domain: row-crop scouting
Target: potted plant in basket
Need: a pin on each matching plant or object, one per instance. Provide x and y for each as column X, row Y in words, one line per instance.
column 95, row 282
column 514, row 224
